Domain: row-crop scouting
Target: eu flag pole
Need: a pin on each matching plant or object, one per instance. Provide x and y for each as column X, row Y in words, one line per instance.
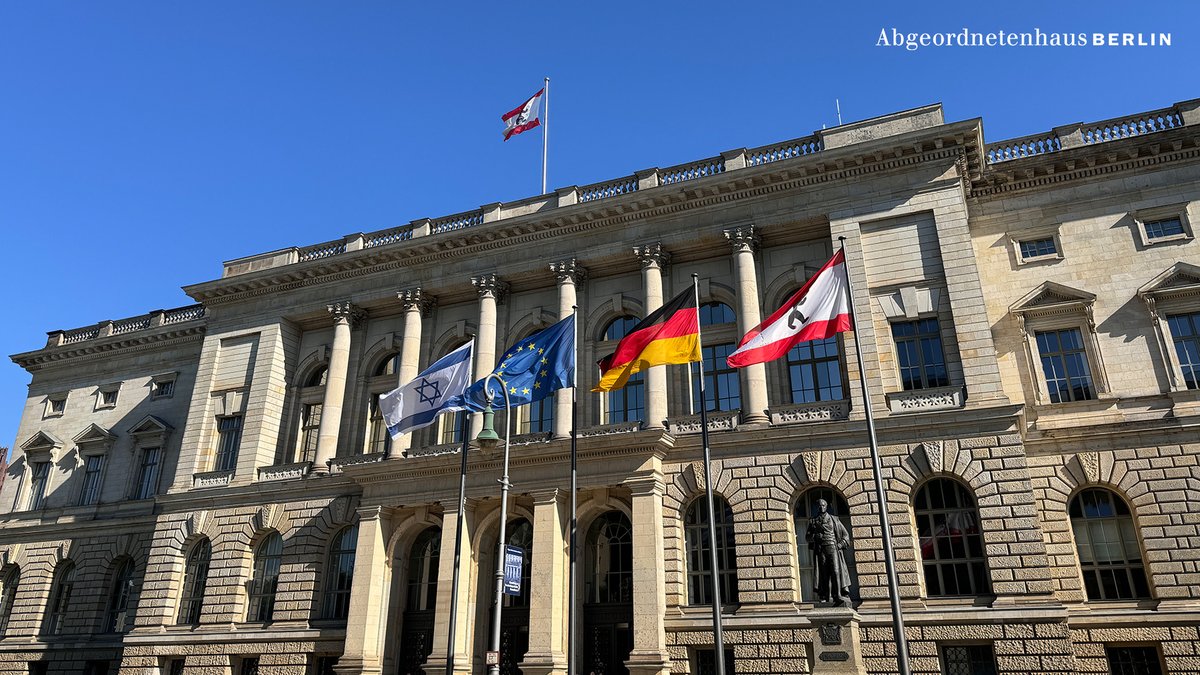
column 571, row 575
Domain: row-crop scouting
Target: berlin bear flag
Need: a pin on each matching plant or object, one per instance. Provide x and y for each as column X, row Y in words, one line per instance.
column 820, row 309
column 524, row 117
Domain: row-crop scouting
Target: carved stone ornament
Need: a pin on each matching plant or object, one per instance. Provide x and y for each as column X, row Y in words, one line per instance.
column 652, row 255
column 415, row 298
column 801, row 413
column 568, row 270
column 489, row 285
column 831, row 634
column 743, row 239
column 344, row 310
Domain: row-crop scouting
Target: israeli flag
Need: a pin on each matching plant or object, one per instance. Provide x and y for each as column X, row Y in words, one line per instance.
column 437, row 390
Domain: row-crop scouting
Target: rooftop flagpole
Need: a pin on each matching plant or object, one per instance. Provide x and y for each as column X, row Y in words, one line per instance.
column 889, row 560
column 545, row 128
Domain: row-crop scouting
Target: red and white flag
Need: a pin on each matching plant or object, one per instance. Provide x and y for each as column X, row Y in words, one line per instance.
column 524, row 117
column 820, row 309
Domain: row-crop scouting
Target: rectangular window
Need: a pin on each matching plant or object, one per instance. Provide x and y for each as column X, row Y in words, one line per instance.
column 37, row 485
column 310, row 427
column 162, row 388
column 968, row 660
column 108, row 399
column 451, row 428
column 721, row 383
column 171, row 667
column 91, row 480
column 1133, row 661
column 249, row 666
column 627, row 404
column 56, row 405
column 147, row 478
column 815, row 371
column 229, row 438
column 1164, row 227
column 706, row 662
column 539, row 416
column 1185, row 333
column 380, row 439
column 919, row 354
column 1038, row 248
column 1065, row 365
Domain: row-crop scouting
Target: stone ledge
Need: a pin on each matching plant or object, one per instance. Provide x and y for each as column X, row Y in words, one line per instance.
column 801, row 413
column 210, row 479
column 284, row 471
column 718, row 420
column 924, row 400
column 434, row 450
column 610, row 429
column 338, row 463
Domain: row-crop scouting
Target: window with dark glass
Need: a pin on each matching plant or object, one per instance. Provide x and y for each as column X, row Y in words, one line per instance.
column 919, row 354
column 539, row 416
column 248, row 665
column 1036, row 248
column 721, row 383
column 1065, row 365
column 37, row 485
column 117, row 618
column 815, row 371
column 58, row 405
column 195, row 581
column 162, row 388
column 147, row 477
column 1133, row 660
column 310, row 426
column 1164, row 227
column 60, row 599
column 339, row 574
column 1185, row 333
column 951, row 543
column 608, row 568
column 90, row 494
column 108, row 398
column 8, row 596
column 96, row 668
column 520, row 533
column 706, row 662
column 264, row 579
column 1106, row 539
column 325, row 664
column 451, row 427
column 699, row 557
column 229, row 439
column 423, row 571
column 385, row 378
column 968, row 660
column 172, row 667
column 627, row 404
column 806, row 508
column 39, row 667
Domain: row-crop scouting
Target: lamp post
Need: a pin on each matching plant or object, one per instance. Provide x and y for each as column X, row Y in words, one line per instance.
column 488, row 439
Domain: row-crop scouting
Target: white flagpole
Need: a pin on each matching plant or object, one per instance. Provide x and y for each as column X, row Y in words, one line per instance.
column 545, row 127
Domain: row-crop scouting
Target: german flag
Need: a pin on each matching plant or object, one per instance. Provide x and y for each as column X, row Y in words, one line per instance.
column 671, row 334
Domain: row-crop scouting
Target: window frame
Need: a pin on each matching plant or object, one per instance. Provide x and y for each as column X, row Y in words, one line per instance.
column 140, row 478
column 940, row 563
column 972, row 661
column 1191, row 367
column 695, row 578
column 1054, row 307
column 595, row 592
column 92, row 482
column 1110, row 648
column 262, row 587
column 192, row 595
column 335, row 600
column 385, row 377
column 118, row 612
column 102, row 394
column 58, row 602
column 814, row 363
column 917, row 337
column 157, row 382
column 634, row 387
column 1061, row 355
column 1139, row 566
column 226, row 458
column 1017, row 239
column 1157, row 214
column 56, row 405
column 39, row 486
column 421, row 575
column 9, row 585
column 720, row 340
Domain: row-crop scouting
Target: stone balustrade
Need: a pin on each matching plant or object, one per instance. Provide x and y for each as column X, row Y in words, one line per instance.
column 135, row 324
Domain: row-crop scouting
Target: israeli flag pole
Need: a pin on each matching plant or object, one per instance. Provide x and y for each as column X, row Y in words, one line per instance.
column 464, row 429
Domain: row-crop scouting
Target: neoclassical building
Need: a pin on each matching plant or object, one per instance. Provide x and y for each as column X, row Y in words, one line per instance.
column 211, row 489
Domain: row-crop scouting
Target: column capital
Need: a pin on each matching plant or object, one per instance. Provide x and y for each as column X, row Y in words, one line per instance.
column 347, row 311
column 743, row 238
column 568, row 270
column 489, row 285
column 550, row 496
column 366, row 513
column 644, row 486
column 652, row 255
column 416, row 299
column 451, row 507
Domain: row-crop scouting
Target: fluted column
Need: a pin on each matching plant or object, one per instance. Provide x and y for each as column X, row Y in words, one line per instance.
column 754, row 378
column 491, row 293
column 365, row 626
column 345, row 315
column 547, row 653
column 649, row 655
column 654, row 259
column 569, row 273
column 416, row 304
column 463, row 637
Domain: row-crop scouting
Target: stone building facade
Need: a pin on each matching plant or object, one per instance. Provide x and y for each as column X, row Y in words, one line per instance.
column 209, row 489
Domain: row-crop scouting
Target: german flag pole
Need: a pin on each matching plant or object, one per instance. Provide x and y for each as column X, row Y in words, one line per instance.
column 572, row 580
column 718, row 629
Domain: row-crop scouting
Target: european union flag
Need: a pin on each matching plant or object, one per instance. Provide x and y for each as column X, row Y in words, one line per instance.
column 532, row 369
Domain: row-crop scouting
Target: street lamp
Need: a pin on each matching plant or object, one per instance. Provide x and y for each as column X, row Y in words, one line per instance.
column 488, row 439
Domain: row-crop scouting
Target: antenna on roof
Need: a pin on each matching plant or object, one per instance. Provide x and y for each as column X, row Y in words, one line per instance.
column 838, row 103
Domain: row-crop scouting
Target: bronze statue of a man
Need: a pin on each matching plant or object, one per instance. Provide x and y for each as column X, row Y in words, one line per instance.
column 828, row 539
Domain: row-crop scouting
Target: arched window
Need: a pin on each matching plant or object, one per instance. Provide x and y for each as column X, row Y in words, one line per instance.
column 195, row 580
column 60, row 598
column 264, row 579
column 450, row 427
column 721, row 382
column 339, row 574
column 423, row 570
column 627, row 404
column 806, row 508
column 951, row 543
column 1110, row 555
column 699, row 558
column 117, row 618
column 520, row 533
column 815, row 371
column 384, row 379
column 8, row 596
column 608, row 568
column 312, row 398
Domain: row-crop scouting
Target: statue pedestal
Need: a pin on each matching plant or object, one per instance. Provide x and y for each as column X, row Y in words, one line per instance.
column 835, row 643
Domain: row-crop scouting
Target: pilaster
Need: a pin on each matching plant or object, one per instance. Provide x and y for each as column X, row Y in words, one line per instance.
column 649, row 655
column 491, row 293
column 569, row 274
column 745, row 242
column 654, row 259
column 369, row 594
column 463, row 635
column 547, row 654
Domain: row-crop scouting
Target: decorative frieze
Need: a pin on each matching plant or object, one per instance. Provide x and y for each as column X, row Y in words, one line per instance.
column 718, row 420
column 924, row 400
column 339, row 463
column 610, row 429
column 211, row 479
column 434, row 450
column 801, row 413
column 284, row 471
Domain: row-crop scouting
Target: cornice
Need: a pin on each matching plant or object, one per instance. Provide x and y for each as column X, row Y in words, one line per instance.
column 92, row 350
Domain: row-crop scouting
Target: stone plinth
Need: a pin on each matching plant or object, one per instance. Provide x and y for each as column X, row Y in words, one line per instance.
column 836, row 645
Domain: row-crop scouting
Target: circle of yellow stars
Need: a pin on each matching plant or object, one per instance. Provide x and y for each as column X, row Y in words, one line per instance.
column 542, row 372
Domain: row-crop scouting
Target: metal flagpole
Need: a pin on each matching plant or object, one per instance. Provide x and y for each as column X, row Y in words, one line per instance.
column 571, row 576
column 718, row 630
column 458, row 530
column 889, row 559
column 545, row 127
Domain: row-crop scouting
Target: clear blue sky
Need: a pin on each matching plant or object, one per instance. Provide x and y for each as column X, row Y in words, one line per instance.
column 141, row 144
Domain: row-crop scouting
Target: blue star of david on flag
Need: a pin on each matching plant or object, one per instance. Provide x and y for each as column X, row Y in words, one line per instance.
column 533, row 368
column 436, row 390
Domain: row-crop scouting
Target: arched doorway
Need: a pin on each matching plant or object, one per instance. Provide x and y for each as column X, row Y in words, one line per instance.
column 420, row 601
column 607, row 636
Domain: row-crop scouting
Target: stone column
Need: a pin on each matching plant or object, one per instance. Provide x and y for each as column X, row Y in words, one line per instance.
column 654, row 259
column 649, row 655
column 463, row 637
column 368, row 597
column 345, row 315
column 547, row 653
column 569, row 274
column 754, row 378
column 416, row 304
column 491, row 293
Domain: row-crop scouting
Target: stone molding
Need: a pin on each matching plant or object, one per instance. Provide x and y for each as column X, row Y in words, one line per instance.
column 802, row 413
column 718, row 420
column 610, row 429
column 212, row 479
column 284, row 471
column 926, row 400
column 338, row 463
